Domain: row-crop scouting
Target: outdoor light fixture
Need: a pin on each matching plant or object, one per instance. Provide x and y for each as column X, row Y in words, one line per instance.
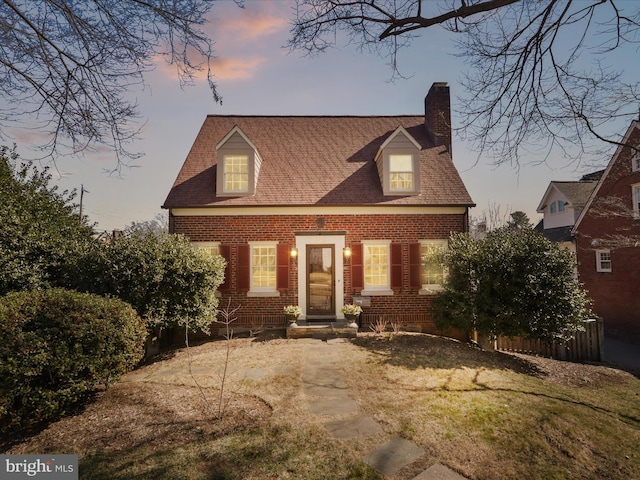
column 294, row 252
column 346, row 251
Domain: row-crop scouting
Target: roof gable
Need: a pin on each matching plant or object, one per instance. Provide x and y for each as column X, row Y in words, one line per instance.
column 235, row 130
column 635, row 125
column 575, row 194
column 398, row 131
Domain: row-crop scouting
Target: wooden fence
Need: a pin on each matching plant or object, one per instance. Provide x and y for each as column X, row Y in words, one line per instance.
column 586, row 346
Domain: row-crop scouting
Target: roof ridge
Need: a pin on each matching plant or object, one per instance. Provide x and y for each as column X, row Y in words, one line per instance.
column 238, row 115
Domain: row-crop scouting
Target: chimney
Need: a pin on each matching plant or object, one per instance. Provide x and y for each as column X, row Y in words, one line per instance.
column 437, row 114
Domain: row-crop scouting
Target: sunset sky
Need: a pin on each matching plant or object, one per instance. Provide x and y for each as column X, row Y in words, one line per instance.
column 256, row 75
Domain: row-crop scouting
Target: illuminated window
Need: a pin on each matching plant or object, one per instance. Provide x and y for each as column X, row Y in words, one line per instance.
column 236, row 173
column 211, row 248
column 263, row 267
column 376, row 266
column 401, row 172
column 433, row 269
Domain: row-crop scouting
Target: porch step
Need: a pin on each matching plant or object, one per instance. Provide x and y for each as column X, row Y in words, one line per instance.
column 322, row 330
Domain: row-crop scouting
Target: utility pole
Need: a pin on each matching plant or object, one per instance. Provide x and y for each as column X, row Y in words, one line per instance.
column 82, row 191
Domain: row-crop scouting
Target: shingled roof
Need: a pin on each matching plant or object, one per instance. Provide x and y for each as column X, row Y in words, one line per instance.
column 316, row 160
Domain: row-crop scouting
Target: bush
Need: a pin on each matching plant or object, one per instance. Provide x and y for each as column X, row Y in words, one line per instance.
column 163, row 276
column 513, row 282
column 59, row 345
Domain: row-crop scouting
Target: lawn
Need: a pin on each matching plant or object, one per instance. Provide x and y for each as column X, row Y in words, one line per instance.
column 485, row 415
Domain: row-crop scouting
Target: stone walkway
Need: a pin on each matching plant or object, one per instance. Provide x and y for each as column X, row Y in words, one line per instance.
column 327, row 394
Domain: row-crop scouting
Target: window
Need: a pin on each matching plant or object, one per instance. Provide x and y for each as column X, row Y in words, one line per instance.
column 211, row 248
column 561, row 205
column 263, row 267
column 401, row 172
column 635, row 162
column 236, row 173
column 635, row 193
column 376, row 265
column 553, row 208
column 433, row 270
column 603, row 260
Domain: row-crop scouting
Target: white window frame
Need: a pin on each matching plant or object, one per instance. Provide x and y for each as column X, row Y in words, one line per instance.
column 376, row 289
column 635, row 199
column 212, row 248
column 412, row 172
column 430, row 288
column 601, row 263
column 262, row 291
column 635, row 161
column 225, row 161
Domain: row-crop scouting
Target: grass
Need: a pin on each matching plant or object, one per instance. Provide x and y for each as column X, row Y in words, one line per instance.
column 485, row 415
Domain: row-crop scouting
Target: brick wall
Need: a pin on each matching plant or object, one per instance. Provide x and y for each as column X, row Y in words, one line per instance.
column 239, row 230
column 616, row 294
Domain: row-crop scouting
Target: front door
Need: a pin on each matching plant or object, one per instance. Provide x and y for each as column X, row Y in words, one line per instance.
column 320, row 281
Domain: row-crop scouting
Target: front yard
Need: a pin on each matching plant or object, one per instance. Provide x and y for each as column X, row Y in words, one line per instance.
column 484, row 415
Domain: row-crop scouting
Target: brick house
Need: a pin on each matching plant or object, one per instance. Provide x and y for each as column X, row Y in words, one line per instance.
column 608, row 240
column 321, row 211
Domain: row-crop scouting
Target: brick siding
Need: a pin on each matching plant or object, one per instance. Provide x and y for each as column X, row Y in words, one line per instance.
column 615, row 294
column 404, row 229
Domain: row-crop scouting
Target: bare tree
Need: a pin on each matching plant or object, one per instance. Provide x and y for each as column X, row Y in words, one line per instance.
column 539, row 75
column 621, row 220
column 67, row 68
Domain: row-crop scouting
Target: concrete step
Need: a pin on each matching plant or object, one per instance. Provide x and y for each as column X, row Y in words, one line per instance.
column 321, row 330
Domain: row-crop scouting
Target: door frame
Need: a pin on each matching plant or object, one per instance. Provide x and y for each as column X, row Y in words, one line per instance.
column 338, row 242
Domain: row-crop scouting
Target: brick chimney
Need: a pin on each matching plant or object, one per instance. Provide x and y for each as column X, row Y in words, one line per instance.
column 437, row 114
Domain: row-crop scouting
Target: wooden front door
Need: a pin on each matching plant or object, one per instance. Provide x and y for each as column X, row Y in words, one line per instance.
column 320, row 281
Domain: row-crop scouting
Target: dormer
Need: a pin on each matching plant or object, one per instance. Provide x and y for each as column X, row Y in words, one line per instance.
column 398, row 162
column 238, row 165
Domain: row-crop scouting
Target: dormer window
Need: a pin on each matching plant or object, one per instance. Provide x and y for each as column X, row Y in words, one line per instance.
column 401, row 172
column 238, row 165
column 398, row 162
column 235, row 173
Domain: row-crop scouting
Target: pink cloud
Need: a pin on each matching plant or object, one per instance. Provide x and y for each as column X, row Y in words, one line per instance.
column 251, row 27
column 256, row 20
column 236, row 68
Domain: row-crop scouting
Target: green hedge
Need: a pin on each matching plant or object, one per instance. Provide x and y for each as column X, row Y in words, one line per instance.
column 57, row 346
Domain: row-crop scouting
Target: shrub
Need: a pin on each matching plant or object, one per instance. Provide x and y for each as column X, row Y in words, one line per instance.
column 513, row 282
column 163, row 276
column 59, row 345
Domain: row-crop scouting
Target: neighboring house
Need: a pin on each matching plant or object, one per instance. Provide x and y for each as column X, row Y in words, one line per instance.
column 561, row 206
column 321, row 211
column 608, row 240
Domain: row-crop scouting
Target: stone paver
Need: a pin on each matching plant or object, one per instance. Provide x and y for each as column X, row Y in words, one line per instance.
column 325, row 391
column 354, row 427
column 333, row 406
column 439, row 472
column 393, row 455
column 327, row 394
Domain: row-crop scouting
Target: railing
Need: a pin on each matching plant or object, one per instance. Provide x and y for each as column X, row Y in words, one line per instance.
column 586, row 346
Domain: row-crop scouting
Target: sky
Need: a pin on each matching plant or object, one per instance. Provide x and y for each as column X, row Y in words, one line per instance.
column 256, row 75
